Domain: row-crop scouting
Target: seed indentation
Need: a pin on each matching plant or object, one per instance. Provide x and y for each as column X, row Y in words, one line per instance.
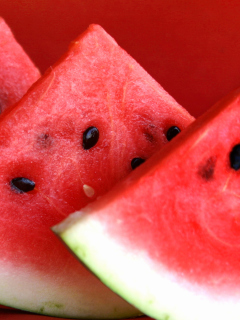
column 44, row 140
column 206, row 170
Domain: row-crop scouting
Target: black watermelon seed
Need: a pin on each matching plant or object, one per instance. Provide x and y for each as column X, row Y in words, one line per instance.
column 90, row 137
column 235, row 157
column 172, row 132
column 22, row 185
column 136, row 162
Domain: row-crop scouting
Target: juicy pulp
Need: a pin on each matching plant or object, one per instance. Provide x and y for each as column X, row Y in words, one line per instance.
column 167, row 238
column 96, row 84
column 17, row 71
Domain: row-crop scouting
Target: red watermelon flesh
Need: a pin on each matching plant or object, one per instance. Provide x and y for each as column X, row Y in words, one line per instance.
column 167, row 238
column 46, row 173
column 17, row 71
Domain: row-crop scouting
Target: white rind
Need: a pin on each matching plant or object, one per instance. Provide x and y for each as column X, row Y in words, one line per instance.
column 143, row 283
column 37, row 292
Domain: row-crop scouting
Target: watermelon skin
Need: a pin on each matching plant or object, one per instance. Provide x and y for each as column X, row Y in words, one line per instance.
column 17, row 71
column 167, row 238
column 96, row 84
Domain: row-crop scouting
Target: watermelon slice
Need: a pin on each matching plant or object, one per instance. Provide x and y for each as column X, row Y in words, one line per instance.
column 82, row 127
column 167, row 238
column 17, row 71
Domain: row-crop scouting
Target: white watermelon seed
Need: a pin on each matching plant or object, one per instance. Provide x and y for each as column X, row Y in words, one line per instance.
column 89, row 191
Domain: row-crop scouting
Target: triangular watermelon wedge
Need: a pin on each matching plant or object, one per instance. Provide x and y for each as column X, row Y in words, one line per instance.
column 167, row 239
column 80, row 129
column 17, row 71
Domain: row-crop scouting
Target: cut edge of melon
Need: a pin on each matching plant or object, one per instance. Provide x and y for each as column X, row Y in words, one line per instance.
column 160, row 294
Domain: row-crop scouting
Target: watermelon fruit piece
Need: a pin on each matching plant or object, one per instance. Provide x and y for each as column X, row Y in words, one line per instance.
column 17, row 71
column 76, row 133
column 167, row 238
